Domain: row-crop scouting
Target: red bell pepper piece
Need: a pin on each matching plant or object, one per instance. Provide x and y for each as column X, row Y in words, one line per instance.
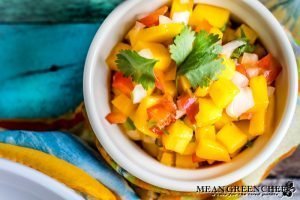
column 122, row 83
column 163, row 113
column 271, row 68
column 241, row 68
column 153, row 18
column 192, row 111
column 116, row 118
column 188, row 104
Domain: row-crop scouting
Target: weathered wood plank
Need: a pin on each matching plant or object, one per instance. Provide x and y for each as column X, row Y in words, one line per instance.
column 59, row 11
column 42, row 69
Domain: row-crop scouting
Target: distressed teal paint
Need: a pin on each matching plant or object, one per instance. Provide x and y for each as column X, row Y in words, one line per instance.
column 71, row 149
column 55, row 11
column 42, row 69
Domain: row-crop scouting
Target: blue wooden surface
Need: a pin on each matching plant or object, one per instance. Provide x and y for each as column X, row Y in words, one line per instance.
column 42, row 68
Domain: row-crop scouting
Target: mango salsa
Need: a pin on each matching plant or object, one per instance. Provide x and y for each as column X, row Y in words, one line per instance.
column 216, row 16
column 167, row 158
column 181, row 6
column 207, row 132
column 124, row 105
column 201, row 91
column 184, row 85
column 229, row 69
column 160, row 33
column 232, row 138
column 223, row 92
column 111, row 60
column 250, row 33
column 225, row 119
column 259, row 89
column 208, row 113
column 159, row 52
column 212, row 150
column 257, row 123
column 190, row 149
column 185, row 161
column 178, row 137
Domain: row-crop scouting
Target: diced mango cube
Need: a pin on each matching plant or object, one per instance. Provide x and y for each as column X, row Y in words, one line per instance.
column 216, row 16
column 170, row 88
column 140, row 117
column 159, row 52
column 208, row 113
column 190, row 149
column 167, row 158
column 160, row 33
column 212, row 150
column 180, row 6
column 232, row 138
column 132, row 35
column 207, row 132
column 184, row 85
column 124, row 105
column 243, row 125
column 257, row 123
column 178, row 138
column 259, row 89
column 223, row 92
column 185, row 161
column 225, row 119
column 270, row 115
column 201, row 91
column 229, row 70
column 229, row 35
column 151, row 148
column 170, row 74
column 111, row 60
column 249, row 33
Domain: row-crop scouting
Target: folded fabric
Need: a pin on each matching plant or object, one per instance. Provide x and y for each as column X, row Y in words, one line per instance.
column 72, row 150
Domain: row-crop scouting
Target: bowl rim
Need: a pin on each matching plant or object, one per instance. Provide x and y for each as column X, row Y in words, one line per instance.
column 155, row 179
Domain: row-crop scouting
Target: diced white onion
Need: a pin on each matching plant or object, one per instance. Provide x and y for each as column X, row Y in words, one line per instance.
column 181, row 17
column 252, row 71
column 139, row 25
column 240, row 80
column 229, row 48
column 271, row 91
column 164, row 20
column 138, row 94
column 249, row 58
column 241, row 103
column 134, row 135
column 180, row 113
column 146, row 53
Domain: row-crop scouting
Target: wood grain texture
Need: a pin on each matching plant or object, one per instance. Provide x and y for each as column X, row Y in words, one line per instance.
column 55, row 11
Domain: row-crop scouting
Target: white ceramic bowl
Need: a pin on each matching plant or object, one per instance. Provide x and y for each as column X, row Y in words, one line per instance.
column 132, row 158
column 18, row 182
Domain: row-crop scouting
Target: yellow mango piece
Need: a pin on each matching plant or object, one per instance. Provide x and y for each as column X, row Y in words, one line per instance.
column 132, row 35
column 178, row 6
column 201, row 91
column 160, row 33
column 190, row 149
column 270, row 115
column 232, row 138
column 170, row 88
column 167, row 158
column 185, row 161
column 178, row 138
column 58, row 169
column 243, row 125
column 216, row 31
column 229, row 70
column 184, row 85
column 140, row 117
column 257, row 123
column 170, row 74
column 225, row 119
column 229, row 35
column 111, row 59
column 151, row 148
column 217, row 17
column 249, row 32
column 212, row 150
column 124, row 105
column 208, row 113
column 223, row 92
column 259, row 89
column 159, row 52
column 207, row 132
column 188, row 122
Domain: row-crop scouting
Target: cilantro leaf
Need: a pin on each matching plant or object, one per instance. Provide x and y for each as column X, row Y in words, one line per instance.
column 140, row 69
column 183, row 45
column 203, row 64
column 249, row 48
